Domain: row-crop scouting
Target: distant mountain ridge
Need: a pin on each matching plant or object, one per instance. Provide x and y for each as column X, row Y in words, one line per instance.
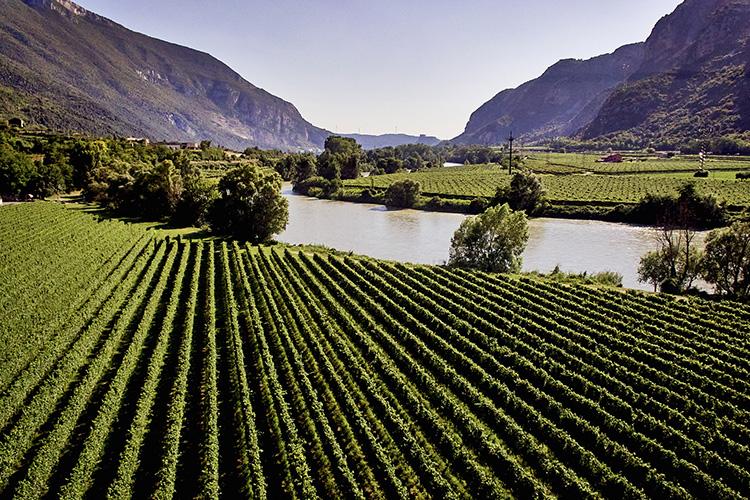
column 566, row 97
column 384, row 140
column 688, row 80
column 64, row 67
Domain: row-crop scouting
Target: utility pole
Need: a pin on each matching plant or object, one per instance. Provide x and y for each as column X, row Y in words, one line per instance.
column 510, row 158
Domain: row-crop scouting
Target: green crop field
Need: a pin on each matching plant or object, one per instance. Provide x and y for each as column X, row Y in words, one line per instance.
column 578, row 179
column 468, row 181
column 576, row 163
column 136, row 366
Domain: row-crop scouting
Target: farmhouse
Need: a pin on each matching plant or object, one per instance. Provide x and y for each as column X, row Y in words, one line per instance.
column 139, row 140
column 180, row 145
column 612, row 158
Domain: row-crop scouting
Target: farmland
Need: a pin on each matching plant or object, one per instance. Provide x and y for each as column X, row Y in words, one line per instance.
column 135, row 365
column 577, row 179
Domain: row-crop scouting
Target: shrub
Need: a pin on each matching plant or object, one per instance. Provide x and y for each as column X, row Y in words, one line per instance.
column 435, row 203
column 318, row 187
column 403, row 194
column 477, row 206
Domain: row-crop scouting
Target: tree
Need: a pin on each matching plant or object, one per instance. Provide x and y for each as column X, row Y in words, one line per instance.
column 304, row 166
column 727, row 260
column 335, row 144
column 196, row 202
column 351, row 167
column 676, row 264
column 403, row 194
column 653, row 269
column 491, row 241
column 525, row 192
column 329, row 165
column 341, row 158
column 319, row 187
column 158, row 189
column 86, row 156
column 17, row 171
column 250, row 207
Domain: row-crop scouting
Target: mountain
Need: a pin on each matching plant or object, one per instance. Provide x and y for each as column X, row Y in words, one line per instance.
column 694, row 81
column 384, row 140
column 66, row 68
column 566, row 97
column 688, row 80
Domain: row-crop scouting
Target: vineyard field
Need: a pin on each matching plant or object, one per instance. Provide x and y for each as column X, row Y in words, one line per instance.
column 137, row 366
column 578, row 163
column 474, row 181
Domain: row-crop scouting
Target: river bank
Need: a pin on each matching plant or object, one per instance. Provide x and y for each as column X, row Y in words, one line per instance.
column 424, row 236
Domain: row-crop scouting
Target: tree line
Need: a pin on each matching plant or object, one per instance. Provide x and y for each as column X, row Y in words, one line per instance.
column 343, row 158
column 149, row 182
column 729, row 144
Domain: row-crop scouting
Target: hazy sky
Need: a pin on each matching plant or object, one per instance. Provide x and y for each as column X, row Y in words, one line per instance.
column 378, row 67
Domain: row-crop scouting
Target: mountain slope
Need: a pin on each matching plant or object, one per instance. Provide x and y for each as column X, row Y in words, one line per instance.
column 689, row 80
column 694, row 81
column 65, row 67
column 567, row 96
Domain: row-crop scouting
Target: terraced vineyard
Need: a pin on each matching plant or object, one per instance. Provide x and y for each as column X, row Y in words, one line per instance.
column 174, row 369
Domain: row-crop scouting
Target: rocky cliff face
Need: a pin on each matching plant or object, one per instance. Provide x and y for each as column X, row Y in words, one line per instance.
column 689, row 79
column 68, row 68
column 694, row 80
column 567, row 96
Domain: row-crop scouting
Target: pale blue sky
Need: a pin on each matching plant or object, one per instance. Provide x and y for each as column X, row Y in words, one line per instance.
column 414, row 66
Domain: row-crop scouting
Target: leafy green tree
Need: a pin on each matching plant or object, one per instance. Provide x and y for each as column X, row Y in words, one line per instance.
column 341, row 158
column 319, row 187
column 351, row 167
column 86, row 156
column 653, row 269
column 491, row 241
column 50, row 179
column 676, row 265
column 329, row 165
column 403, row 194
column 390, row 165
column 17, row 172
column 525, row 192
column 250, row 206
column 336, row 144
column 689, row 209
column 195, row 204
column 414, row 163
column 304, row 166
column 157, row 190
column 113, row 185
column 727, row 260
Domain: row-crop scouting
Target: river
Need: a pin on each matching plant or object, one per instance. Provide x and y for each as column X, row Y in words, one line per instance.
column 424, row 237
